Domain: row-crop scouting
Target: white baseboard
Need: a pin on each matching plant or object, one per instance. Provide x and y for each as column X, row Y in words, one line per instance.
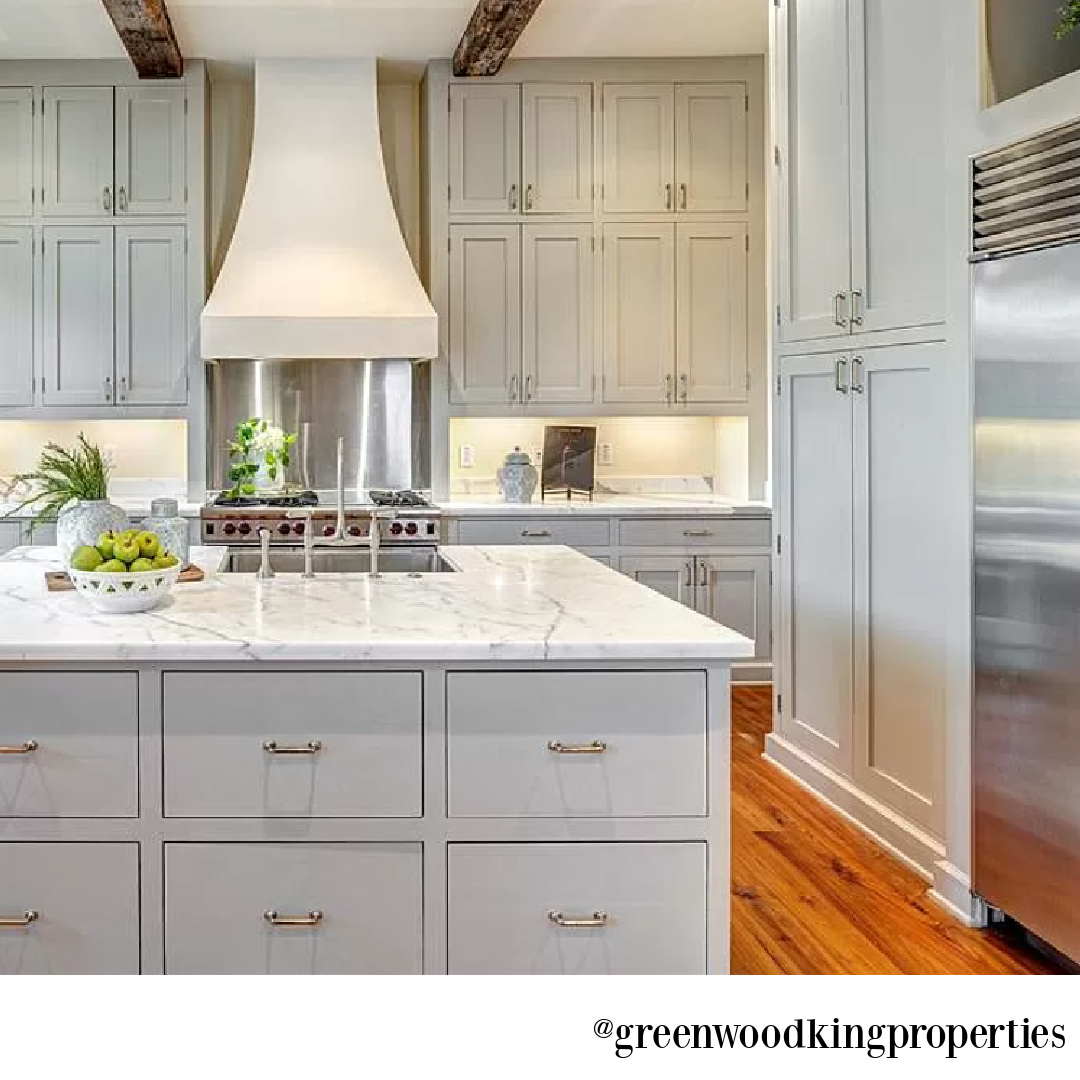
column 915, row 848
column 952, row 891
column 751, row 673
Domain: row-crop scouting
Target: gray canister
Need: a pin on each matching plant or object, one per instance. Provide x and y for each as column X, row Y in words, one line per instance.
column 171, row 528
column 518, row 477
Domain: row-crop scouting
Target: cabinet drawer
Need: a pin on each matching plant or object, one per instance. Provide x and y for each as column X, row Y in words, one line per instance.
column 506, row 903
column 359, row 905
column 70, row 744
column 573, row 532
column 576, row 744
column 696, row 532
column 85, row 904
column 273, row 744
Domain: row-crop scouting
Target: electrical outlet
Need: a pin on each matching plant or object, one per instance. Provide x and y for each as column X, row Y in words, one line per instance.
column 466, row 456
column 607, row 454
column 537, row 455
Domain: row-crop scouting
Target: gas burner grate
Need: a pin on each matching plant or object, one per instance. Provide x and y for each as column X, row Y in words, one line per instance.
column 397, row 498
column 290, row 499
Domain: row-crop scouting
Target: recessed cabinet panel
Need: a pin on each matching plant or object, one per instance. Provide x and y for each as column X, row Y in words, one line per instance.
column 485, row 148
column 78, row 132
column 151, row 338
column 639, row 147
column 737, row 594
column 672, row 576
column 485, row 314
column 16, row 151
column 558, row 317
column 150, row 150
column 712, row 312
column 77, row 351
column 639, row 313
column 557, row 148
column 16, row 315
column 710, row 147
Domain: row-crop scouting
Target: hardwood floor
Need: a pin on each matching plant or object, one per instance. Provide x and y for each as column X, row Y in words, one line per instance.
column 812, row 895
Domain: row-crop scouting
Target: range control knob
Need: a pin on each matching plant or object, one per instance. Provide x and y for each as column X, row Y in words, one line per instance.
column 284, row 529
column 243, row 528
column 395, row 528
column 355, row 530
column 328, row 530
column 412, row 528
column 298, row 528
column 229, row 528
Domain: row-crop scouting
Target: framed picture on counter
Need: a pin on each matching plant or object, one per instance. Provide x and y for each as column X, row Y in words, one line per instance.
column 569, row 464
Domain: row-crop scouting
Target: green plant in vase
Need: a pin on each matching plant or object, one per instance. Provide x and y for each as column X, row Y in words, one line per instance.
column 258, row 452
column 1068, row 19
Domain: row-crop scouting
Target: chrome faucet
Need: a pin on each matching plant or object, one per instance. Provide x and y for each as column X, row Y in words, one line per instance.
column 265, row 571
column 339, row 538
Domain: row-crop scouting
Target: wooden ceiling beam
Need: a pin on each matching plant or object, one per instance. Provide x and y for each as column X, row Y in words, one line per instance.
column 146, row 31
column 492, row 32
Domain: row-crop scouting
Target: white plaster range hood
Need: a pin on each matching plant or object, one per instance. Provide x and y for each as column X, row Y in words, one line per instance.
column 317, row 267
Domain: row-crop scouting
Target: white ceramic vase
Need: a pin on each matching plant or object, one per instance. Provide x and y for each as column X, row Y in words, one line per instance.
column 83, row 522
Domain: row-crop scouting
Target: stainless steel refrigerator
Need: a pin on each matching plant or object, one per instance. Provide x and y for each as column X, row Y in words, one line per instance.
column 1026, row 719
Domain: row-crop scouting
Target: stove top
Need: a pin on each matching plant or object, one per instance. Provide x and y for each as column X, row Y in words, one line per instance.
column 398, row 498
column 286, row 500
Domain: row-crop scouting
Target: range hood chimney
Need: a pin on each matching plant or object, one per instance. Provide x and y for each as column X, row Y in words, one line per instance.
column 317, row 267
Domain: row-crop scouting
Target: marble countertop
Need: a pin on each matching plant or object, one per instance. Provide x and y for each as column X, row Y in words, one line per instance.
column 505, row 603
column 672, row 505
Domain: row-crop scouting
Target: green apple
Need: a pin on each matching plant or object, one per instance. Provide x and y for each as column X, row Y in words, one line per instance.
column 86, row 558
column 149, row 545
column 128, row 535
column 105, row 544
column 165, row 561
column 113, row 566
column 142, row 566
column 126, row 550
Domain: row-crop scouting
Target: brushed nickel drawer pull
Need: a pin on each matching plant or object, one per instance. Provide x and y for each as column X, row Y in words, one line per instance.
column 312, row 918
column 595, row 747
column 535, row 534
column 313, row 747
column 27, row 747
column 697, row 534
column 598, row 920
column 20, row 921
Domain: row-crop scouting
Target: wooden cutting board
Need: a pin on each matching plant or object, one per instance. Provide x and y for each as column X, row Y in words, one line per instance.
column 58, row 580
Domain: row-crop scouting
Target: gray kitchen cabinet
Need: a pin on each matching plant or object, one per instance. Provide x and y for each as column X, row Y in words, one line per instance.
column 557, row 148
column 78, row 161
column 232, row 909
column 711, row 148
column 736, row 590
column 485, row 148
column 670, row 575
column 43, row 533
column 69, row 908
column 151, row 172
column 11, row 535
column 151, row 315
column 639, row 147
column 590, row 532
column 485, row 314
column 78, row 319
column 16, row 313
column 16, row 151
column 576, row 909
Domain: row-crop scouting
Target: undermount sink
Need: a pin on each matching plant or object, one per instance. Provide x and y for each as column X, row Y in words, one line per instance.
column 290, row 560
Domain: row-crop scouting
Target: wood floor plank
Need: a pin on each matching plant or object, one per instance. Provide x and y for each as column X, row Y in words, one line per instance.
column 813, row 895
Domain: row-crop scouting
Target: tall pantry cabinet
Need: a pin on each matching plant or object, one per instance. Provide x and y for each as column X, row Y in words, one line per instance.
column 859, row 276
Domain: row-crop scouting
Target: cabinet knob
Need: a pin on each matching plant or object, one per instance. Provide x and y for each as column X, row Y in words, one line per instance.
column 597, row 921
column 668, row 391
column 122, row 200
column 106, row 199
column 667, row 196
column 529, row 197
column 840, row 309
column 513, row 197
column 684, row 197
column 684, row 387
column 307, row 750
column 108, row 389
column 595, row 747
column 858, row 309
column 293, row 922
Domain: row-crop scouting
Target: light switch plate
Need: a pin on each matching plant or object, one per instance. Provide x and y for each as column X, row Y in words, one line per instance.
column 607, row 454
column 466, row 456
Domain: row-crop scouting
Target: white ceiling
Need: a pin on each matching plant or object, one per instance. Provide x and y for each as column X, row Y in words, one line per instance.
column 395, row 29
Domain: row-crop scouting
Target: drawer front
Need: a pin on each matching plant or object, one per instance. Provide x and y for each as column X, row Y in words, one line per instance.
column 695, row 532
column 69, row 744
column 10, row 535
column 228, row 906
column 312, row 744
column 573, row 532
column 85, row 904
column 576, row 744
column 513, row 909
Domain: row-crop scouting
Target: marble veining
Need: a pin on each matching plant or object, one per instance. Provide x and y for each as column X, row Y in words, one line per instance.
column 505, row 603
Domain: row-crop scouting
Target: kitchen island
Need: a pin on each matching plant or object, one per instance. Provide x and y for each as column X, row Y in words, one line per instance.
column 518, row 766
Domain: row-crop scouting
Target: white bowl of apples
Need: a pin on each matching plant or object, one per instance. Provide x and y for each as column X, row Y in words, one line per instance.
column 125, row 571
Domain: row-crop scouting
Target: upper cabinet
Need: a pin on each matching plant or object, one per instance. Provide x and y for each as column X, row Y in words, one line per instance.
column 16, row 315
column 639, row 148
column 16, row 151
column 859, row 160
column 711, row 147
column 114, row 152
column 557, row 148
column 485, row 148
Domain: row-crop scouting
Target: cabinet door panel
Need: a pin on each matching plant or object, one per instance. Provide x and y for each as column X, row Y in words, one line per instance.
column 79, row 151
column 816, row 559
column 16, row 151
column 17, row 315
column 77, row 315
column 150, row 150
column 557, row 148
column 639, row 147
column 558, row 316
column 710, row 147
column 738, row 595
column 485, row 314
column 673, row 576
column 814, row 262
column 898, row 163
column 901, row 582
column 485, row 148
column 151, row 337
column 712, row 304
column 639, row 313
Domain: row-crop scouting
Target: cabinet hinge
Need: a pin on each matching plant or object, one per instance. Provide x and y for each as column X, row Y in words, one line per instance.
column 748, row 189
column 449, row 103
column 185, row 105
column 748, row 235
column 449, row 192
column 776, row 156
column 779, row 545
column 185, row 193
column 185, row 244
column 593, row 239
column 449, row 243
column 777, row 314
column 778, row 386
column 748, row 382
column 779, row 697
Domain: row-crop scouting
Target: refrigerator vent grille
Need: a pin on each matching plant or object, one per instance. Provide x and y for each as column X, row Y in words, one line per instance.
column 1027, row 195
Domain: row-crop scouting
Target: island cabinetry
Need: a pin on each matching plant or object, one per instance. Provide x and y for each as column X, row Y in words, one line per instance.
column 575, row 533
column 69, row 909
column 69, row 745
column 576, row 744
column 577, row 909
column 307, row 744
column 293, row 909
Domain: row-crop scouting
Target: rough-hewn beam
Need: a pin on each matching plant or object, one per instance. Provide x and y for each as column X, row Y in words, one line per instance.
column 492, row 32
column 146, row 31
